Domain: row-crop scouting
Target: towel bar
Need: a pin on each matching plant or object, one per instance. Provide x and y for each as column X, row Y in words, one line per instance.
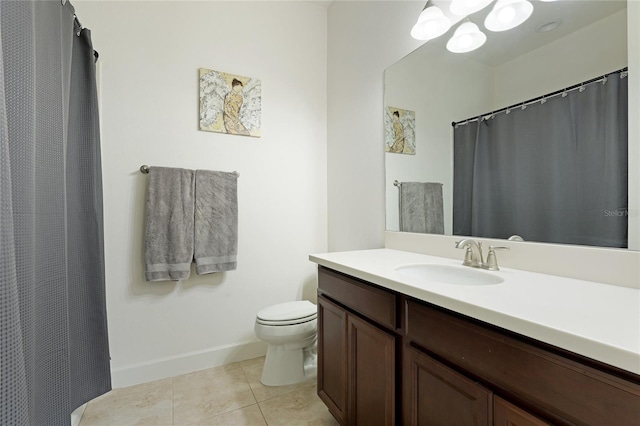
column 144, row 169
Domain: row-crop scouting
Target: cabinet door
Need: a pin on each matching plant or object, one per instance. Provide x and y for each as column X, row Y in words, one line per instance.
column 372, row 377
column 507, row 414
column 439, row 396
column 332, row 357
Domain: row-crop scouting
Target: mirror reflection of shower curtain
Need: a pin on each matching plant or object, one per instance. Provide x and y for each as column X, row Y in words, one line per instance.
column 53, row 326
column 554, row 172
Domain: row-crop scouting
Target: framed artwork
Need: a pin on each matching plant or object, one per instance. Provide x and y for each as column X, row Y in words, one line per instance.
column 399, row 131
column 230, row 103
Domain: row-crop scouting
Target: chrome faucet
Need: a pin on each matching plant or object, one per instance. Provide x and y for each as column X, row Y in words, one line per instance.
column 473, row 254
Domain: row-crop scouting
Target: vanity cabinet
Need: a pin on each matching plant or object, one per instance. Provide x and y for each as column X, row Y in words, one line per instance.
column 332, row 358
column 385, row 357
column 552, row 384
column 356, row 357
column 438, row 395
column 507, row 414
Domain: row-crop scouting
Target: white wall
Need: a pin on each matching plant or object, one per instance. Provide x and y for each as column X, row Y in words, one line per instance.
column 364, row 38
column 150, row 53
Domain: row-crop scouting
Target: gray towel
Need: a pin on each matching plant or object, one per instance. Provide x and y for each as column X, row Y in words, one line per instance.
column 216, row 221
column 421, row 207
column 169, row 227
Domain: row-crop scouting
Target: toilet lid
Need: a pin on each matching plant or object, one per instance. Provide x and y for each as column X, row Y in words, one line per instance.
column 286, row 312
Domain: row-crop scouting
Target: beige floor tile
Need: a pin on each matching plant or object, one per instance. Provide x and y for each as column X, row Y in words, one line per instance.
column 205, row 394
column 217, row 396
column 253, row 371
column 146, row 404
column 247, row 416
column 300, row 408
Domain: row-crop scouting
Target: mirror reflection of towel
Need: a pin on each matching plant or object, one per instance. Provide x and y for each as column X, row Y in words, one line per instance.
column 421, row 207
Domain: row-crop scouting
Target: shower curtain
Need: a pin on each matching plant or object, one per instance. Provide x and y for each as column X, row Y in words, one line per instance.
column 53, row 333
column 552, row 172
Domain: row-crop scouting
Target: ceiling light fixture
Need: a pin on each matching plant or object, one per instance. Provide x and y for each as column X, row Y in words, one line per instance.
column 507, row 14
column 467, row 7
column 431, row 23
column 467, row 37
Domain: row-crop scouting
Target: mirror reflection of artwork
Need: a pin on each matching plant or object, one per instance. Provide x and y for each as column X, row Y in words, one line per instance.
column 399, row 131
column 230, row 103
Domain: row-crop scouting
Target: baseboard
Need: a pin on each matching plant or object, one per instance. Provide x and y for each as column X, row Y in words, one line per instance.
column 163, row 368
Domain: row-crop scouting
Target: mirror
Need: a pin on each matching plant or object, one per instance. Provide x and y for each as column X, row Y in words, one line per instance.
column 513, row 66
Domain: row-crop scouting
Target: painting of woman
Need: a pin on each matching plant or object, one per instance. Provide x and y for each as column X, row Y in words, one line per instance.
column 231, row 113
column 230, row 103
column 399, row 134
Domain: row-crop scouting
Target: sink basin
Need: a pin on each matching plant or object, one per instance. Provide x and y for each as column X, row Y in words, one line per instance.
column 447, row 274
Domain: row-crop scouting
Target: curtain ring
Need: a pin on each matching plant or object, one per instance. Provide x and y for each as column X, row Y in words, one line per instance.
column 78, row 26
column 582, row 88
column 604, row 80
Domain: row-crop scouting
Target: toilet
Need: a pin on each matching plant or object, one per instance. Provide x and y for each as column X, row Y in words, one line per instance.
column 290, row 331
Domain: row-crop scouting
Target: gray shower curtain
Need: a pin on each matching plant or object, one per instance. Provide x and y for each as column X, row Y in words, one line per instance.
column 553, row 172
column 53, row 332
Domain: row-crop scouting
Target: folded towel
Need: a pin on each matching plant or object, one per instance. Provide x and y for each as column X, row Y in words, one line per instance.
column 169, row 224
column 216, row 221
column 421, row 207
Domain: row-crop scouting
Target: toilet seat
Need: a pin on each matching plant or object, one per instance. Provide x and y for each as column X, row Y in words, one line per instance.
column 288, row 313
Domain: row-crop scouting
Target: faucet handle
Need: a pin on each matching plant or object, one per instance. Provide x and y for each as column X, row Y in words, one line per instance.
column 468, row 257
column 492, row 260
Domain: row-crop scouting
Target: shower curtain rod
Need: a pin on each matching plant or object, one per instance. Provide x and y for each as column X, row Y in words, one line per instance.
column 144, row 169
column 542, row 99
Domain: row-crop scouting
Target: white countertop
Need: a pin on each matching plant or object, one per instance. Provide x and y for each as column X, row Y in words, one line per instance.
column 599, row 321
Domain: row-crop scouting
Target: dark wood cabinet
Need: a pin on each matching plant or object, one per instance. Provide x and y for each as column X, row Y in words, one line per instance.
column 356, row 356
column 385, row 357
column 356, row 367
column 507, row 414
column 436, row 395
column 558, row 386
column 371, row 369
column 332, row 358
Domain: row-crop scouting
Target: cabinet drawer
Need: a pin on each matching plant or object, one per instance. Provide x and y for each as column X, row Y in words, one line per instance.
column 563, row 390
column 436, row 395
column 507, row 414
column 374, row 303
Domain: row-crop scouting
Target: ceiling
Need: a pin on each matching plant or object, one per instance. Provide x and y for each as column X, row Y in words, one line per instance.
column 505, row 46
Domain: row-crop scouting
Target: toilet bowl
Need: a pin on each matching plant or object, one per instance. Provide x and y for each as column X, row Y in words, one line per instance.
column 290, row 331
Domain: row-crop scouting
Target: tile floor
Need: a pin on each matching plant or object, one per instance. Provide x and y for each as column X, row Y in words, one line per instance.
column 229, row 395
